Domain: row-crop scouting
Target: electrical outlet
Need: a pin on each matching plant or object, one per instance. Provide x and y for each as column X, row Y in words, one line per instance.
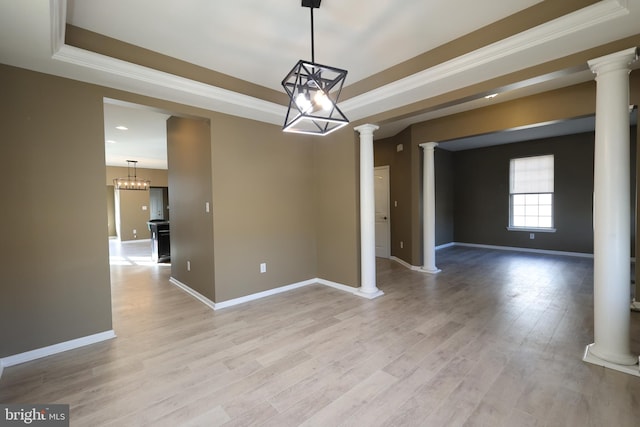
column 135, row 231
column 188, row 265
column 401, row 244
column 263, row 267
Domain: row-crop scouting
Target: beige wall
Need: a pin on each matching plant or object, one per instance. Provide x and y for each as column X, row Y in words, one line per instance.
column 337, row 207
column 189, row 158
column 129, row 214
column 561, row 104
column 132, row 214
column 400, row 189
column 283, row 199
column 55, row 271
column 263, row 207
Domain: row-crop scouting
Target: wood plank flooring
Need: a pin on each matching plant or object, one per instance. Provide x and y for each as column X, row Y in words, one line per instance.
column 496, row 339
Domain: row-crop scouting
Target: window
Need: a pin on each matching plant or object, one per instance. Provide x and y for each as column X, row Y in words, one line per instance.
column 531, row 193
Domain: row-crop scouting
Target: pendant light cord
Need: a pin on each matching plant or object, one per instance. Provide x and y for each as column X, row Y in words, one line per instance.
column 313, row 56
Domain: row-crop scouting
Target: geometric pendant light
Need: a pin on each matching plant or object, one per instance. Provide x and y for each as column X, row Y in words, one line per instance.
column 313, row 91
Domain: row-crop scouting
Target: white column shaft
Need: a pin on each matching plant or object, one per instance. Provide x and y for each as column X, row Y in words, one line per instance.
column 368, row 286
column 429, row 208
column 612, row 274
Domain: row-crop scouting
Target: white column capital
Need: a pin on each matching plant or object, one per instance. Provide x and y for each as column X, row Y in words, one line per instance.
column 366, row 129
column 428, row 145
column 614, row 61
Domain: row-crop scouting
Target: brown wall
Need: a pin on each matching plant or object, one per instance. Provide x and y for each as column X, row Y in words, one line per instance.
column 445, row 178
column 336, row 207
column 287, row 200
column 111, row 211
column 55, row 261
column 561, row 104
column 130, row 214
column 263, row 204
column 191, row 228
column 482, row 194
column 400, row 190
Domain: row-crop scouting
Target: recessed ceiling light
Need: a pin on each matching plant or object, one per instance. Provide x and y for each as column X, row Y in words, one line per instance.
column 122, row 127
column 493, row 95
column 111, row 141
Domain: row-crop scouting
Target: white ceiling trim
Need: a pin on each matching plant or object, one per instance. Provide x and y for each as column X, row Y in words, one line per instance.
column 221, row 100
column 411, row 86
column 393, row 95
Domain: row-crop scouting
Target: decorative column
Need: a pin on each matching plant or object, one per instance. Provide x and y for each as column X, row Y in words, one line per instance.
column 368, row 287
column 611, row 245
column 635, row 304
column 429, row 209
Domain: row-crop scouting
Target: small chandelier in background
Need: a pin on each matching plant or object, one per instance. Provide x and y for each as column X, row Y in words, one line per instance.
column 131, row 182
column 313, row 91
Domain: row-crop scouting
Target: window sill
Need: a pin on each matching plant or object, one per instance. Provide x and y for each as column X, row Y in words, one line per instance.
column 532, row 229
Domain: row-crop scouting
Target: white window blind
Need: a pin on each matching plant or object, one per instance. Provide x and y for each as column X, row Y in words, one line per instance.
column 531, row 175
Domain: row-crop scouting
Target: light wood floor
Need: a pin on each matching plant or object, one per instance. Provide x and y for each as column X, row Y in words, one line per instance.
column 496, row 339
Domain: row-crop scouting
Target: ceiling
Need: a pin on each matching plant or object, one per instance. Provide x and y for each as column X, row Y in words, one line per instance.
column 408, row 61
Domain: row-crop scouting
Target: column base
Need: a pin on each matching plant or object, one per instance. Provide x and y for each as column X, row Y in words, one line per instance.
column 635, row 305
column 368, row 295
column 430, row 270
column 631, row 368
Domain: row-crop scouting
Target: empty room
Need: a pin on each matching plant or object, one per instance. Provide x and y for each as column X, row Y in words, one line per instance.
column 320, row 213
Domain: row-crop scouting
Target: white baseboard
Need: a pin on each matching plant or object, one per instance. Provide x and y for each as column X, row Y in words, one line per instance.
column 259, row 295
column 516, row 249
column 263, row 294
column 28, row 356
column 336, row 285
column 197, row 295
column 405, row 264
column 445, row 245
column 502, row 248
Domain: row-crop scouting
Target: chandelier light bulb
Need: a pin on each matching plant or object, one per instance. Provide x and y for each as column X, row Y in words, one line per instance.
column 323, row 100
column 303, row 102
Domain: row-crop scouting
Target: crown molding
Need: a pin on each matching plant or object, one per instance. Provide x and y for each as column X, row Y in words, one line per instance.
column 161, row 84
column 413, row 85
column 421, row 85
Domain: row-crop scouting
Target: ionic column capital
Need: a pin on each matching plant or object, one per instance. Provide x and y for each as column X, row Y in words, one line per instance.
column 614, row 62
column 428, row 145
column 367, row 129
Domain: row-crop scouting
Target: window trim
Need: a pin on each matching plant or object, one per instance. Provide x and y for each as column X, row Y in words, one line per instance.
column 532, row 229
column 511, row 227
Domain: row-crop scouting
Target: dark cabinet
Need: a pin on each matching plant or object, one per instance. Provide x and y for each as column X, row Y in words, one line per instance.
column 160, row 241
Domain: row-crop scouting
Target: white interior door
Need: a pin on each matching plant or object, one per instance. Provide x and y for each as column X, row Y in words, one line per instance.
column 383, row 228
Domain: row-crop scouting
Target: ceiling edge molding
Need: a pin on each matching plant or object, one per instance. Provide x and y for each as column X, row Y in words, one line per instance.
column 58, row 11
column 577, row 21
column 220, row 100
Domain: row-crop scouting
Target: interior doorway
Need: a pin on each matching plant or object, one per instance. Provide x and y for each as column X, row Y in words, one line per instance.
column 159, row 203
column 383, row 217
